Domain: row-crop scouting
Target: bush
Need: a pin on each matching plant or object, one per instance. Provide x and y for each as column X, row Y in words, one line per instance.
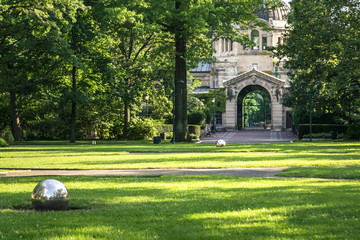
column 31, row 136
column 320, row 128
column 194, row 131
column 7, row 135
column 196, row 118
column 353, row 132
column 142, row 129
column 163, row 128
column 3, row 143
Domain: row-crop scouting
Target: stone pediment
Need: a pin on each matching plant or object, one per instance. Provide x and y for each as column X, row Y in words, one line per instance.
column 255, row 76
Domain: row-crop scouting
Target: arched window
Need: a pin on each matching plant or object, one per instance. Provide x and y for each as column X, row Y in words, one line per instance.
column 255, row 39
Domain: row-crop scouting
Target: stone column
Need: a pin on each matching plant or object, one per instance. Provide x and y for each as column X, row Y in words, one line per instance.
column 276, row 116
column 231, row 116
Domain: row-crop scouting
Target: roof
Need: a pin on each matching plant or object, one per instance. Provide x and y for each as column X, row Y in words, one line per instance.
column 201, row 68
column 279, row 13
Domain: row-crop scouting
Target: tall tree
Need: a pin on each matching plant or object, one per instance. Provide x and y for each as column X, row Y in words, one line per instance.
column 133, row 43
column 323, row 48
column 194, row 25
column 28, row 29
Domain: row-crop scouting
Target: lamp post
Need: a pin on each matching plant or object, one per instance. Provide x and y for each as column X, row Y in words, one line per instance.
column 173, row 96
column 214, row 120
column 311, row 94
column 147, row 99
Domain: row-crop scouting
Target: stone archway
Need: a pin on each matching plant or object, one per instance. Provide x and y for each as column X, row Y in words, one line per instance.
column 241, row 106
column 272, row 85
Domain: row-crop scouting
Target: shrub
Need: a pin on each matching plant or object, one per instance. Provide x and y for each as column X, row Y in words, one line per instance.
column 196, row 118
column 194, row 131
column 163, row 128
column 7, row 135
column 353, row 132
column 142, row 129
column 117, row 130
column 320, row 128
column 31, row 136
column 3, row 143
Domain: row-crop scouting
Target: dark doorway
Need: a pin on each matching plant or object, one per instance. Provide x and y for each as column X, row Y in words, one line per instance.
column 289, row 119
column 254, row 108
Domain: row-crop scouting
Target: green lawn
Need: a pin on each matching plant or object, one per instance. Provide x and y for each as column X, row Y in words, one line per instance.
column 185, row 207
column 144, row 154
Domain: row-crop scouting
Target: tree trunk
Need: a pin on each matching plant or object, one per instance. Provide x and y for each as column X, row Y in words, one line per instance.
column 73, row 108
column 15, row 120
column 126, row 119
column 181, row 120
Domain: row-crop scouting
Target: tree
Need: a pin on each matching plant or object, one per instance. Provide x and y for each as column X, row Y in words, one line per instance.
column 28, row 30
column 133, row 45
column 323, row 45
column 193, row 26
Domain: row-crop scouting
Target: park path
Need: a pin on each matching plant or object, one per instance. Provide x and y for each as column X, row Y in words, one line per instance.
column 250, row 136
column 242, row 172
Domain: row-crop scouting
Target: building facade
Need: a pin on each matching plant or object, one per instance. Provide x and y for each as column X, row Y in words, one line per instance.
column 242, row 70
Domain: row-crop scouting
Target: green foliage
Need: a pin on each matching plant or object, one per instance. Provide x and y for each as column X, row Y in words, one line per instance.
column 163, row 128
column 197, row 118
column 142, row 129
column 194, row 104
column 3, row 143
column 353, row 132
column 320, row 128
column 194, row 131
column 322, row 55
column 7, row 135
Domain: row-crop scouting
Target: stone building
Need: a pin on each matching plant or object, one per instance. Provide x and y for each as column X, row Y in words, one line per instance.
column 242, row 70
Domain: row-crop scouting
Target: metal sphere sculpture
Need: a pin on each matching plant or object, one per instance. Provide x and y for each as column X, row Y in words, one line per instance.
column 220, row 143
column 50, row 195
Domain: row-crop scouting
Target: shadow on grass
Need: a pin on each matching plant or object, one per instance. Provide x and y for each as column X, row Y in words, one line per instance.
column 196, row 207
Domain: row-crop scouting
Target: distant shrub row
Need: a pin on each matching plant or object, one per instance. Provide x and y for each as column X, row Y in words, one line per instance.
column 321, row 130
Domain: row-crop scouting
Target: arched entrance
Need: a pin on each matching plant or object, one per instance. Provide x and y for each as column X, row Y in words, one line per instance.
column 260, row 85
column 254, row 108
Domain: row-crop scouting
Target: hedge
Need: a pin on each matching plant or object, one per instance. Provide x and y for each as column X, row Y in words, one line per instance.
column 321, row 128
column 163, row 128
column 194, row 130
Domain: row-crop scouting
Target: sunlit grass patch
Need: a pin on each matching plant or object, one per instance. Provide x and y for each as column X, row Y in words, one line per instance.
column 144, row 154
column 186, row 207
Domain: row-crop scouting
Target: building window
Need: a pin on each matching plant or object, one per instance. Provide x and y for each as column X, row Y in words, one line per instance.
column 230, row 46
column 264, row 43
column 255, row 39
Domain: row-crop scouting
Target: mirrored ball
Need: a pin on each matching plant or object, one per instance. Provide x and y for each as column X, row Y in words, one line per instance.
column 50, row 195
column 220, row 143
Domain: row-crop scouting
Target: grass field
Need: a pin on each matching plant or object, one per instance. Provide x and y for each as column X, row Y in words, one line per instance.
column 140, row 155
column 186, row 207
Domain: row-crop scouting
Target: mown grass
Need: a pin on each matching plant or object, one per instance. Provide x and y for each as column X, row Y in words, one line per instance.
column 337, row 172
column 144, row 154
column 185, row 207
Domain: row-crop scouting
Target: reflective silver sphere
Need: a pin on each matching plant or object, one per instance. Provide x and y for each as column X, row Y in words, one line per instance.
column 50, row 195
column 220, row 143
